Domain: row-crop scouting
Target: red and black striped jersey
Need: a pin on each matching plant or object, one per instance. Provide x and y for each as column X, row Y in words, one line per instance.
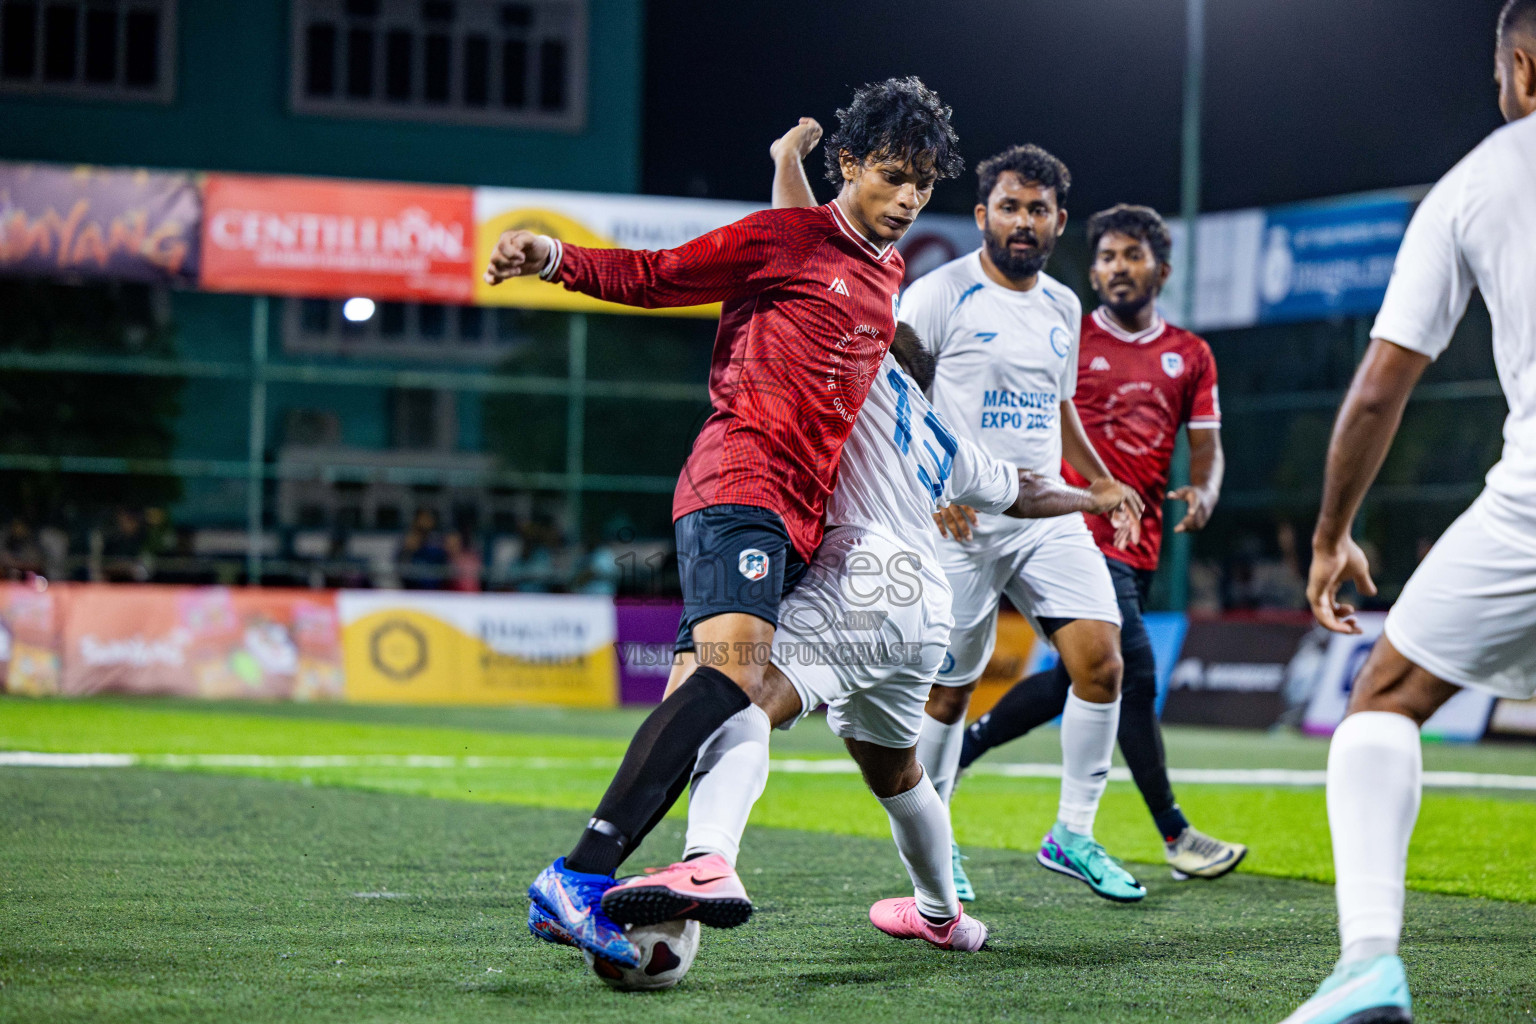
column 807, row 316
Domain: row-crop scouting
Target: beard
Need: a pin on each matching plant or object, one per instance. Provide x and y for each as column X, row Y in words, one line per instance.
column 1130, row 307
column 1014, row 266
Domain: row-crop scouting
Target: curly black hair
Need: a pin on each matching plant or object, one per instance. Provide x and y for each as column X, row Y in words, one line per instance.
column 1517, row 16
column 1031, row 164
column 898, row 119
column 1139, row 222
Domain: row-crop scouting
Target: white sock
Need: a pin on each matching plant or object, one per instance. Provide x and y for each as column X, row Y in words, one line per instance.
column 920, row 826
column 1087, row 743
column 938, row 751
column 1374, row 768
column 731, row 773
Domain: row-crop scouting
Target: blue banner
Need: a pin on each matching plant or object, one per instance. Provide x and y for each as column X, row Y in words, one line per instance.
column 1317, row 262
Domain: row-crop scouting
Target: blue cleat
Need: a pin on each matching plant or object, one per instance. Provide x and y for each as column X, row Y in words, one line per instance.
column 1371, row 991
column 1078, row 856
column 547, row 928
column 963, row 888
column 574, row 901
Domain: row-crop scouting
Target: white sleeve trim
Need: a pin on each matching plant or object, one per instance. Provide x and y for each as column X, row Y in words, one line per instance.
column 556, row 256
column 1203, row 424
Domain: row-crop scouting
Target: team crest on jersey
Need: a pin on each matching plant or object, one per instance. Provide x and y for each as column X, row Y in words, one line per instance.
column 1099, row 363
column 1060, row 343
column 753, row 564
column 1173, row 364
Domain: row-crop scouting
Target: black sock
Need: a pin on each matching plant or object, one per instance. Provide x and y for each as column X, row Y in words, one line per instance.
column 674, row 792
column 1141, row 740
column 663, row 749
column 1032, row 702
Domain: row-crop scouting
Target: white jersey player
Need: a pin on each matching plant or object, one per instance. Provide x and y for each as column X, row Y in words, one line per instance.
column 1467, row 617
column 864, row 632
column 1005, row 335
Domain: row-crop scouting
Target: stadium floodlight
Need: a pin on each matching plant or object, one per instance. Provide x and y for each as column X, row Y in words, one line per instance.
column 358, row 310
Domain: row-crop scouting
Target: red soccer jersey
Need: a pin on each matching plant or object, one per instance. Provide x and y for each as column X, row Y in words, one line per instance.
column 1134, row 391
column 809, row 310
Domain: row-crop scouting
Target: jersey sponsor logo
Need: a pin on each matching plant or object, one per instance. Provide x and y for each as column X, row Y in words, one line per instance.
column 1036, row 410
column 753, row 563
column 986, row 336
column 1173, row 364
column 1099, row 363
column 1061, row 342
column 838, row 286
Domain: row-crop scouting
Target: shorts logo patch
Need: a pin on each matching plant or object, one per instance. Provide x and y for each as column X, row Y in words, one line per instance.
column 949, row 664
column 753, row 564
column 1173, row 364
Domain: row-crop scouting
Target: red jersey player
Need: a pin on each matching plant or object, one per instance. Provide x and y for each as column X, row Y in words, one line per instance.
column 1139, row 380
column 809, row 311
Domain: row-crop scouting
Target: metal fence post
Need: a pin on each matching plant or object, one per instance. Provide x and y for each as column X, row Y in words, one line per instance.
column 575, row 420
column 256, row 440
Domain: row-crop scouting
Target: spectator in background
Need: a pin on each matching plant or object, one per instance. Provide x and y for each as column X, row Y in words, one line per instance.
column 21, row 555
column 464, row 561
column 537, row 570
column 424, row 554
column 122, row 548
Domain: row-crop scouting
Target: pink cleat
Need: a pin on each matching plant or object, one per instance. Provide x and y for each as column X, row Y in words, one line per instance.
column 705, row 889
column 900, row 917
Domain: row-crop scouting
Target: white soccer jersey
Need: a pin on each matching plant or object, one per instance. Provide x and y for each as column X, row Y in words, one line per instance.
column 1477, row 229
column 902, row 461
column 1007, row 359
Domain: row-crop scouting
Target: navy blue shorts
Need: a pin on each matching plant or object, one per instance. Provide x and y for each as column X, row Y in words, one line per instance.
column 733, row 558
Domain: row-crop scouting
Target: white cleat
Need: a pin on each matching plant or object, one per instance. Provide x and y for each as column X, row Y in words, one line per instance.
column 1197, row 855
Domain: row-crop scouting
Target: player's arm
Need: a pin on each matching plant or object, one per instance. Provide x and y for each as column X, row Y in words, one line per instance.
column 1368, row 420
column 791, row 187
column 1124, row 503
column 1043, row 497
column 741, row 258
column 1207, row 466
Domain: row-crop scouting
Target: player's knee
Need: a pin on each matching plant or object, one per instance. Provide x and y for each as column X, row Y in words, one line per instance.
column 1099, row 679
column 1390, row 682
column 893, row 778
column 948, row 704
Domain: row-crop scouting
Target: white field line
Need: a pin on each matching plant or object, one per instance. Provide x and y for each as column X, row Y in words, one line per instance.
column 1278, row 777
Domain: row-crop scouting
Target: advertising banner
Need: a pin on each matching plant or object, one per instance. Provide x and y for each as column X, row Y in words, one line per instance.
column 1232, row 673
column 1464, row 717
column 30, row 644
column 213, row 642
column 594, row 220
column 409, row 647
column 99, row 223
column 332, row 238
column 647, row 629
column 1514, row 718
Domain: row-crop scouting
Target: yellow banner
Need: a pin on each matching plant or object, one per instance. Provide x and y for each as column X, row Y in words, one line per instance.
column 409, row 648
column 596, row 221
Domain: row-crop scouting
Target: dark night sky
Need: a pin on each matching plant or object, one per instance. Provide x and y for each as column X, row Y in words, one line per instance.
column 1304, row 98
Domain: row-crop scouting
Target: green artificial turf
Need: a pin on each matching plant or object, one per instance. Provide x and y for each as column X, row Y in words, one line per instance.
column 142, row 895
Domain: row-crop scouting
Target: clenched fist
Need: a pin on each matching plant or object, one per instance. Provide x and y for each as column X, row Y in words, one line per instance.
column 517, row 253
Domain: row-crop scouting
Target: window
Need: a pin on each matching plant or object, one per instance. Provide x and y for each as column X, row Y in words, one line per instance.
column 410, row 330
column 98, row 49
column 474, row 61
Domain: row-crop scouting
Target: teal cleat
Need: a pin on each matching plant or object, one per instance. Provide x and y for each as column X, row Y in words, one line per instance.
column 1079, row 857
column 1371, row 991
column 963, row 888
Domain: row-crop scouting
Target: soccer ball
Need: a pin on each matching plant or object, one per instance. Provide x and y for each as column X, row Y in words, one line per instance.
column 666, row 952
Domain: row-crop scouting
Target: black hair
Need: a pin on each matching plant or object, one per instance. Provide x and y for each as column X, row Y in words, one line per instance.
column 913, row 356
column 1517, row 16
column 898, row 119
column 1032, row 164
column 1139, row 222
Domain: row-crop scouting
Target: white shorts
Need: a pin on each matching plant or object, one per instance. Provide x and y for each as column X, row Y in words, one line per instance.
column 1468, row 613
column 1049, row 568
column 864, row 633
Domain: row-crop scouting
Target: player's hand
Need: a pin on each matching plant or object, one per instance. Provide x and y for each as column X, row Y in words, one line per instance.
column 517, row 253
column 1333, row 565
column 796, row 144
column 1110, row 494
column 955, row 521
column 1200, row 506
column 1127, row 528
